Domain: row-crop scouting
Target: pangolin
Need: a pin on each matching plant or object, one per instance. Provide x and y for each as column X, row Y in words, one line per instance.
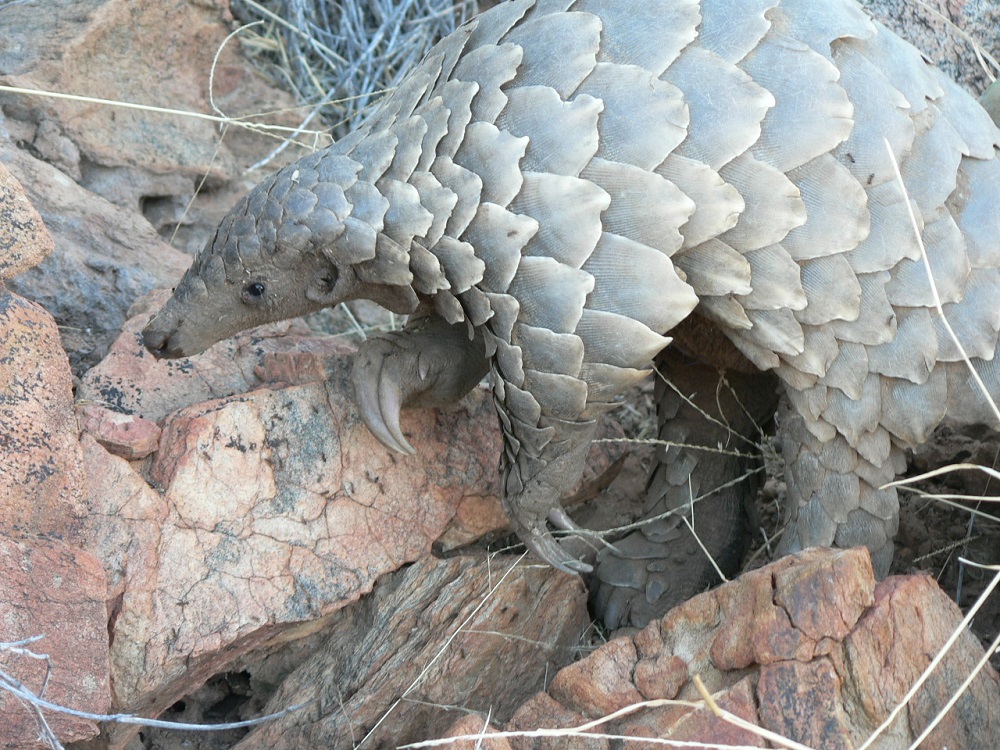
column 562, row 187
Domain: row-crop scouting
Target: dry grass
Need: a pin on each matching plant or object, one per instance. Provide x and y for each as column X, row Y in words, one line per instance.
column 341, row 57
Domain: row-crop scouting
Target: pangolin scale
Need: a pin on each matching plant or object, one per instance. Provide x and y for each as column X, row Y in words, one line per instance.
column 561, row 186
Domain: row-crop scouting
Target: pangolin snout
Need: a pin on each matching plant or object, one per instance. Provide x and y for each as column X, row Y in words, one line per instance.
column 163, row 341
column 161, row 344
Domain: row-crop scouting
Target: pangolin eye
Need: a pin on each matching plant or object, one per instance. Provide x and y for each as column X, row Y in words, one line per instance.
column 254, row 292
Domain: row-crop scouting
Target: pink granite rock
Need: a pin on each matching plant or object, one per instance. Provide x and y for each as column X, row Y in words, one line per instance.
column 125, row 435
column 56, row 591
column 24, row 240
column 809, row 647
column 42, row 482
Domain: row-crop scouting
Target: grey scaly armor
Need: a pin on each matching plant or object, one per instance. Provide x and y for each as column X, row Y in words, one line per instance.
column 561, row 183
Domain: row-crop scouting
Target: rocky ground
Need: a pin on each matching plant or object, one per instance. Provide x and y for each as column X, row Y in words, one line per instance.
column 212, row 539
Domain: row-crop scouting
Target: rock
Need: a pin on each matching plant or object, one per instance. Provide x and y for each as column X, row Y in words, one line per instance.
column 125, row 435
column 475, row 725
column 941, row 29
column 106, row 256
column 24, row 240
column 53, row 590
column 660, row 676
column 42, row 482
column 808, row 646
column 112, row 183
column 123, row 526
column 542, row 711
column 160, row 55
column 439, row 634
column 278, row 508
column 699, row 726
column 895, row 641
column 600, row 684
column 274, row 507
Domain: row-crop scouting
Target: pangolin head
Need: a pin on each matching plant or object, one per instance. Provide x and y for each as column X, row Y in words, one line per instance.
column 286, row 249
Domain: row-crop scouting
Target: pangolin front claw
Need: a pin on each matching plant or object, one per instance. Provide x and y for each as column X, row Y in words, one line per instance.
column 430, row 364
column 379, row 395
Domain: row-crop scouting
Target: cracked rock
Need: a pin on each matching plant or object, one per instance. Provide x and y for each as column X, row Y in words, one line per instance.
column 808, row 646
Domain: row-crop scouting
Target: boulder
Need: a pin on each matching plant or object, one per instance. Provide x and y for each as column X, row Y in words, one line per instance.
column 24, row 240
column 477, row 633
column 42, row 483
column 105, row 257
column 52, row 590
column 267, row 506
column 277, row 508
column 809, row 647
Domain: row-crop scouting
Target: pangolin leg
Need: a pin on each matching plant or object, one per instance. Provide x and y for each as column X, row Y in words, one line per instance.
column 716, row 461
column 539, row 465
column 428, row 363
column 834, row 498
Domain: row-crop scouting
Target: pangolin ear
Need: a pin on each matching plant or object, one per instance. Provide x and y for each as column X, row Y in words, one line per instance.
column 322, row 286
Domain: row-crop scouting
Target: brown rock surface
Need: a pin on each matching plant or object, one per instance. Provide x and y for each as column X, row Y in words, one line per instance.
column 809, row 647
column 106, row 256
column 24, row 240
column 276, row 507
column 56, row 591
column 941, row 29
column 473, row 724
column 905, row 629
column 155, row 54
column 125, row 435
column 216, row 569
column 124, row 526
column 542, row 710
column 601, row 683
column 465, row 632
column 42, row 482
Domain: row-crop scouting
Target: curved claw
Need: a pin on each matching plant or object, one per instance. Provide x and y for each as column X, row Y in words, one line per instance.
column 390, row 402
column 542, row 543
column 529, row 523
column 561, row 520
column 431, row 364
column 379, row 401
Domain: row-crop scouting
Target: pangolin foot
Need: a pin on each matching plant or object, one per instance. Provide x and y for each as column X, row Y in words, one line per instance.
column 431, row 364
column 532, row 530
